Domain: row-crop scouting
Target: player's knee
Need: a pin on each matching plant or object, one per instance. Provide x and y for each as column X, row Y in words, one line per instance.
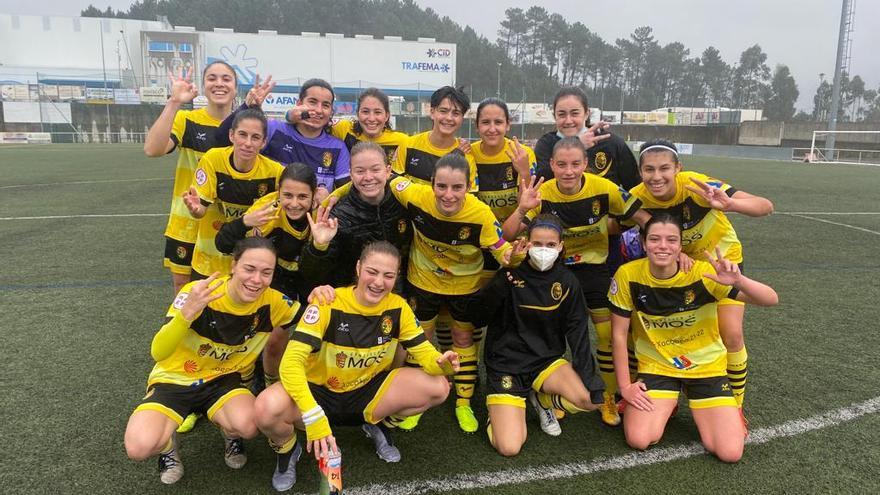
column 139, row 448
column 508, row 447
column 242, row 424
column 729, row 453
column 640, row 440
column 268, row 407
column 439, row 390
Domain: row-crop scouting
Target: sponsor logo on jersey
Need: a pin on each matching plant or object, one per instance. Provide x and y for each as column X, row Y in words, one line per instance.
column 387, row 325
column 682, row 362
column 287, row 148
column 340, row 359
column 311, row 315
column 180, row 300
column 507, row 382
column 201, row 177
column 601, row 161
column 202, row 136
column 343, row 327
column 360, row 360
column 556, row 291
column 725, row 387
column 334, row 382
column 327, row 158
column 190, row 366
column 204, row 348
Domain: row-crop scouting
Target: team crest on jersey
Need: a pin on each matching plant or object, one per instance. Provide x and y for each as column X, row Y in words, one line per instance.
column 340, row 359
column 556, row 291
column 180, row 300
column 262, row 189
column 204, row 348
column 686, row 213
column 401, row 225
column 201, row 177
column 387, row 325
column 311, row 315
column 190, row 366
column 181, row 252
column 597, row 207
column 253, row 329
column 464, row 233
column 412, row 303
column 689, row 297
column 601, row 161
column 327, row 158
column 508, row 175
column 149, row 393
column 507, row 382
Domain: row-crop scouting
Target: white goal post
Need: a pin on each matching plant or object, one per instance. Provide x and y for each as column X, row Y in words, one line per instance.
column 848, row 154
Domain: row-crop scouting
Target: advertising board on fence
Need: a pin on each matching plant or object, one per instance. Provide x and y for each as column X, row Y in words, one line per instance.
column 153, row 94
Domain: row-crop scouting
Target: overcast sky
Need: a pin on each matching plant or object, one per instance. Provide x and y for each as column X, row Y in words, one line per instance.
column 799, row 33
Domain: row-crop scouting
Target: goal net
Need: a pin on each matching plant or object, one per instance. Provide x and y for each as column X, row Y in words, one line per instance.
column 850, row 147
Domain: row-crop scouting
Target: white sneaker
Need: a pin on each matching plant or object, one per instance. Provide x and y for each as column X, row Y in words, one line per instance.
column 549, row 423
column 170, row 467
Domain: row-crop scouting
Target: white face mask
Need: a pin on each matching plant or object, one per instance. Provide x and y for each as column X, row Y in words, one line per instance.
column 542, row 258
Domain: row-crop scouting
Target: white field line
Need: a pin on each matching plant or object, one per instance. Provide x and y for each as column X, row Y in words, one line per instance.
column 808, row 217
column 43, row 184
column 489, row 479
column 117, row 215
column 843, row 213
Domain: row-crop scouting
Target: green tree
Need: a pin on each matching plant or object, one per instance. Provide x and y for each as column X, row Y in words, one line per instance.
column 782, row 96
column 751, row 77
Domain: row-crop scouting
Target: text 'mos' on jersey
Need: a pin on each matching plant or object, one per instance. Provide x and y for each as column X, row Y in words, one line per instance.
column 389, row 140
column 416, row 159
column 674, row 320
column 703, row 227
column 584, row 216
column 230, row 192
column 446, row 257
column 192, row 134
column 224, row 338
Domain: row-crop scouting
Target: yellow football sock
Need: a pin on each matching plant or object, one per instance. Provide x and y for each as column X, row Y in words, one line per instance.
column 737, row 371
column 466, row 377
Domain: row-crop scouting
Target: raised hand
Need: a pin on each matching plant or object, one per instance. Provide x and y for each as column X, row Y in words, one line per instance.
column 520, row 248
column 322, row 294
column 449, row 358
column 182, row 88
column 596, row 133
column 464, row 145
column 323, row 228
column 529, row 194
column 295, row 115
column 518, row 156
column 257, row 94
column 716, row 198
column 259, row 217
column 193, row 203
column 200, row 294
column 726, row 271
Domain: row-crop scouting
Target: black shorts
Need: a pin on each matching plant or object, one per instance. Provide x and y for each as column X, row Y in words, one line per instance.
column 178, row 255
column 354, row 407
column 426, row 305
column 702, row 393
column 595, row 281
column 514, row 388
column 178, row 401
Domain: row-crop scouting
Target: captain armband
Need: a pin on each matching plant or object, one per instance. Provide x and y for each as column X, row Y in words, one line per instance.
column 313, row 415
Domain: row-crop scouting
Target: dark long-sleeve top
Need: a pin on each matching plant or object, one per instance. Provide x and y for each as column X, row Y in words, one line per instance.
column 610, row 158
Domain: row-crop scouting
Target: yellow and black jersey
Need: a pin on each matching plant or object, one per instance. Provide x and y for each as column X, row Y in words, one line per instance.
column 389, row 140
column 584, row 216
column 229, row 193
column 192, row 134
column 497, row 180
column 446, row 257
column 417, row 156
column 226, row 337
column 674, row 321
column 288, row 236
column 704, row 227
column 341, row 346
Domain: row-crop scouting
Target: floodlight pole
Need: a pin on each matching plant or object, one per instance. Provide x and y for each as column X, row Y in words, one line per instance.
column 835, row 93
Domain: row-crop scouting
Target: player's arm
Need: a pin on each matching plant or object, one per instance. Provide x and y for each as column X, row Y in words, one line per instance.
column 751, row 205
column 743, row 289
column 527, row 203
column 413, row 340
column 159, row 140
column 722, row 197
column 343, row 168
column 292, row 372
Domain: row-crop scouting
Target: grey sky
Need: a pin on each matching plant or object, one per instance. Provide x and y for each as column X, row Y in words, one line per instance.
column 799, row 33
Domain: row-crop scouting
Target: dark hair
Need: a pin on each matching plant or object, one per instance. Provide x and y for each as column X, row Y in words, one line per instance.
column 569, row 142
column 455, row 95
column 249, row 243
column 546, row 221
column 672, row 149
column 383, row 247
column 383, row 99
column 661, row 217
column 299, row 172
column 364, row 146
column 225, row 64
column 250, row 113
column 577, row 93
column 455, row 161
column 493, row 101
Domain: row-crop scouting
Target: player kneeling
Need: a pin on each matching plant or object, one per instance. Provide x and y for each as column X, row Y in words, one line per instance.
column 677, row 341
column 337, row 368
column 532, row 310
column 215, row 331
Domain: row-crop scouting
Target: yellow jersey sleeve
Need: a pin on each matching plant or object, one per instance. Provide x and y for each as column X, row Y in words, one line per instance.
column 205, row 178
column 178, row 127
column 282, row 310
column 618, row 293
column 621, row 203
column 341, row 128
column 490, row 236
column 398, row 166
column 306, row 339
column 404, row 190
